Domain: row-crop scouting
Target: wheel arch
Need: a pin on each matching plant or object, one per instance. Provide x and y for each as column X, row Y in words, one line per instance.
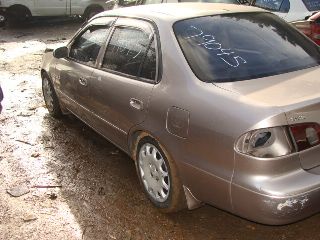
column 133, row 140
column 191, row 202
column 20, row 7
column 92, row 7
column 44, row 73
column 138, row 134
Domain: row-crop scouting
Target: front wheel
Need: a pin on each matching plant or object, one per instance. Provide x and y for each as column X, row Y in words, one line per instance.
column 159, row 177
column 50, row 97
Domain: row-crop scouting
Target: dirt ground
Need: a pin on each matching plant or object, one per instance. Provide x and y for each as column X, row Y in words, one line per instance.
column 73, row 183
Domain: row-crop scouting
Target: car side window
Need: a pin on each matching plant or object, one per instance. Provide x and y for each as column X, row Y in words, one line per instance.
column 86, row 47
column 285, row 6
column 128, row 3
column 272, row 5
column 149, row 67
column 312, row 5
column 126, row 50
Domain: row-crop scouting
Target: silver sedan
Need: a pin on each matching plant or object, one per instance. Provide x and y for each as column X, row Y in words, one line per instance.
column 215, row 103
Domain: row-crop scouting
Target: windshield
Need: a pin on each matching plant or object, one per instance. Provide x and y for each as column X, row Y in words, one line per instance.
column 242, row 46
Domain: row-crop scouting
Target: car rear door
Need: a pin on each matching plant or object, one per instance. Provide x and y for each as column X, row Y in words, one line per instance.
column 75, row 72
column 123, row 84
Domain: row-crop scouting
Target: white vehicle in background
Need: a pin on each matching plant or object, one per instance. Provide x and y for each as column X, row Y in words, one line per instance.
column 289, row 10
column 21, row 10
column 129, row 3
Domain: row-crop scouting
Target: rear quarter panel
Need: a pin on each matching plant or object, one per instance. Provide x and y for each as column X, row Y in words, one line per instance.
column 205, row 157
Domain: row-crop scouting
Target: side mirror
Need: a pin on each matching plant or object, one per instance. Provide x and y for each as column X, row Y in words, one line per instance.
column 61, row 52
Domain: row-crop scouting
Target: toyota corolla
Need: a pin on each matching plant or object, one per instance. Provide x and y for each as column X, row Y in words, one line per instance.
column 216, row 104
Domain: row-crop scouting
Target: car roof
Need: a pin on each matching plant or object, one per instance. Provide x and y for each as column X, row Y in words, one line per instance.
column 177, row 11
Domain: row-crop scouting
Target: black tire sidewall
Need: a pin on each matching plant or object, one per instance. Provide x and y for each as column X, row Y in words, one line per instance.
column 56, row 111
column 92, row 12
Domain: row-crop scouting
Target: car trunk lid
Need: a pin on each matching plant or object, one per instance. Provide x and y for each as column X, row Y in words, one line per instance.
column 296, row 93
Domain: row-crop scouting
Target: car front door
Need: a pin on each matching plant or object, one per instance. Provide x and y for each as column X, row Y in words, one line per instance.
column 124, row 81
column 75, row 72
column 51, row 7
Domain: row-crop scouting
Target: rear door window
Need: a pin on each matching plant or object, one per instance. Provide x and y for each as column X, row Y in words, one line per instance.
column 127, row 50
column 149, row 67
column 242, row 46
column 312, row 5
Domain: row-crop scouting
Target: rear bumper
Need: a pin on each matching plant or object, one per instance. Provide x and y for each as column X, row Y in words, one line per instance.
column 275, row 192
column 275, row 210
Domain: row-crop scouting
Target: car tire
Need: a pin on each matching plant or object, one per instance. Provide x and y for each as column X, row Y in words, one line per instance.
column 18, row 16
column 2, row 20
column 50, row 97
column 91, row 12
column 158, row 176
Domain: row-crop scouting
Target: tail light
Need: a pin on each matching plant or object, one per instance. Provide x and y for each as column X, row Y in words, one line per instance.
column 279, row 141
column 305, row 135
column 315, row 32
column 266, row 143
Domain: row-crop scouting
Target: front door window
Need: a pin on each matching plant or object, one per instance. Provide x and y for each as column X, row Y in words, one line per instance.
column 86, row 47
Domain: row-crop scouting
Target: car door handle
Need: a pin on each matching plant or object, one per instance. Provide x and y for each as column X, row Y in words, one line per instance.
column 135, row 103
column 83, row 81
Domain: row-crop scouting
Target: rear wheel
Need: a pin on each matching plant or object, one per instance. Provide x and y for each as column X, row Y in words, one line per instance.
column 50, row 97
column 159, row 177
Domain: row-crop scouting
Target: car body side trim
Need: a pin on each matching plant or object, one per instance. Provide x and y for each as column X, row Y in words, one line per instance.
column 110, row 124
column 89, row 125
column 208, row 173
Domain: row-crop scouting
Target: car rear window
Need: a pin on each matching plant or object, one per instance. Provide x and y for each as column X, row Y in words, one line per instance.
column 312, row 5
column 242, row 46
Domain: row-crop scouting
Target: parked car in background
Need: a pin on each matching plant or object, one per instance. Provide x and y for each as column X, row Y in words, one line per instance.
column 2, row 19
column 310, row 27
column 21, row 10
column 129, row 3
column 207, row 110
column 289, row 10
